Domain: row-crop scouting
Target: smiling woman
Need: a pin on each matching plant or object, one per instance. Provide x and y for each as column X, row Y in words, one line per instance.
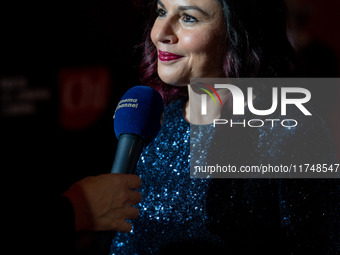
column 224, row 38
column 216, row 39
column 185, row 34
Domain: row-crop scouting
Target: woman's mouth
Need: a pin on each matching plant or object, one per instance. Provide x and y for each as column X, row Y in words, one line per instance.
column 167, row 56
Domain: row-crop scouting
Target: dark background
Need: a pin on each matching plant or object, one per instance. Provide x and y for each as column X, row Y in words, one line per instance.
column 64, row 65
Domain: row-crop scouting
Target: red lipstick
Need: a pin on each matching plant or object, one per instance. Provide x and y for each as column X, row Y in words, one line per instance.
column 167, row 56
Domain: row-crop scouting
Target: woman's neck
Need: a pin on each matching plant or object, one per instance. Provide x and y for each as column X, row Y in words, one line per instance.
column 193, row 107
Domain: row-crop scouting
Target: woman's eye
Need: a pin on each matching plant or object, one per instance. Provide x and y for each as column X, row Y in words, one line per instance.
column 161, row 12
column 189, row 19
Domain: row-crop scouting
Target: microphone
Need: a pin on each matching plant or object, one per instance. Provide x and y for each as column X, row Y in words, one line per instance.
column 137, row 121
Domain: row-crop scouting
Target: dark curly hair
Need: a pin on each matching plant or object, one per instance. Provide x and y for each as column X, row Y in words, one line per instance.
column 256, row 42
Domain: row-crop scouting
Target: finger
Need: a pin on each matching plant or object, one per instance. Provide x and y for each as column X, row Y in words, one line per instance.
column 126, row 213
column 135, row 197
column 134, row 181
column 122, row 226
column 132, row 213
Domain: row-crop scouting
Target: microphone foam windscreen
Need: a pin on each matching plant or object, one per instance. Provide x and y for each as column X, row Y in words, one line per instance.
column 139, row 112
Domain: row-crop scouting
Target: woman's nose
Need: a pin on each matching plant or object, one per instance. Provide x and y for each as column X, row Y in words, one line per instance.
column 166, row 32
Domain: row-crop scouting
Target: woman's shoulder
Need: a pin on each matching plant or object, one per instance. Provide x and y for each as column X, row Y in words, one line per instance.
column 298, row 137
column 296, row 124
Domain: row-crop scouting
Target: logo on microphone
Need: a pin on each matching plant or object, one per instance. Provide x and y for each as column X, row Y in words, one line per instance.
column 209, row 90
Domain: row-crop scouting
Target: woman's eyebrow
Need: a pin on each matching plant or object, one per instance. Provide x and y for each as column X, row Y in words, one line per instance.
column 161, row 4
column 191, row 7
column 185, row 8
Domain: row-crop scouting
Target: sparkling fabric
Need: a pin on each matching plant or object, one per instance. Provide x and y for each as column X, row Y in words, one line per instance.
column 234, row 215
column 172, row 201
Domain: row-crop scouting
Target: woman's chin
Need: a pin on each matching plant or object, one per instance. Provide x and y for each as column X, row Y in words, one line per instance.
column 174, row 80
column 173, row 76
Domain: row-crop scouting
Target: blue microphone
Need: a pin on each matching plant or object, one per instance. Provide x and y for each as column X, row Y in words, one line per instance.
column 137, row 121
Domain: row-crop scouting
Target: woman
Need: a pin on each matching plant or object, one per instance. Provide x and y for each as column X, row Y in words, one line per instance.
column 217, row 38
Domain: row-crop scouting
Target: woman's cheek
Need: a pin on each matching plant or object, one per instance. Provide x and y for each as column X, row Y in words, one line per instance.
column 198, row 43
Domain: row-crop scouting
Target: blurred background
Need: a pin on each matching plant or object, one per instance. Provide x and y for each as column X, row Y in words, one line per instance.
column 64, row 65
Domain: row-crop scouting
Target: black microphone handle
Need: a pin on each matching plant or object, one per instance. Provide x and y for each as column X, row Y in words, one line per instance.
column 129, row 149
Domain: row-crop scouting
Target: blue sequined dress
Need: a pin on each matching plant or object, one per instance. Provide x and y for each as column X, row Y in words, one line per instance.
column 236, row 216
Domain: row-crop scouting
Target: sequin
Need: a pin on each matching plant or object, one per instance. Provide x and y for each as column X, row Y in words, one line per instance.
column 225, row 213
column 173, row 205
